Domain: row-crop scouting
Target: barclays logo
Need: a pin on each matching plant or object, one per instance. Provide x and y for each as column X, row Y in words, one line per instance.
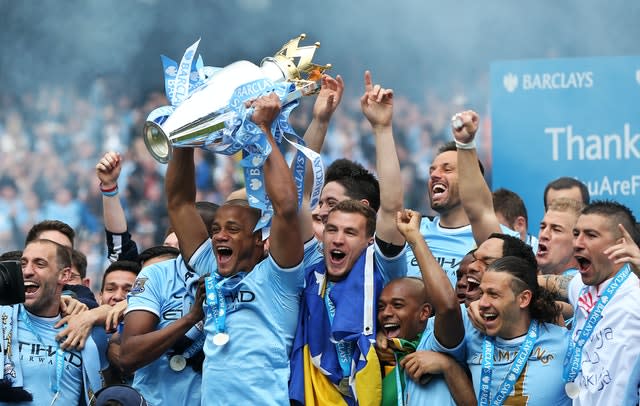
column 510, row 82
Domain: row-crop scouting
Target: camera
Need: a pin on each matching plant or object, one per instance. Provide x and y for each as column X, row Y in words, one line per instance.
column 11, row 283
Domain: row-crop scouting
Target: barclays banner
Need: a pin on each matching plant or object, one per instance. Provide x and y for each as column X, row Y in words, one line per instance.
column 567, row 117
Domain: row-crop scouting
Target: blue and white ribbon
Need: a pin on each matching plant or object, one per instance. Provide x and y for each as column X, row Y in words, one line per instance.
column 573, row 359
column 514, row 372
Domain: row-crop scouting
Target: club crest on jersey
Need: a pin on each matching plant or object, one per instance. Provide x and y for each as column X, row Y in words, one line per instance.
column 138, row 286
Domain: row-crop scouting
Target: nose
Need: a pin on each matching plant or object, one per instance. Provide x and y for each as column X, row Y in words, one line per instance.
column 120, row 295
column 386, row 311
column 27, row 269
column 220, row 236
column 578, row 242
column 543, row 235
column 483, row 303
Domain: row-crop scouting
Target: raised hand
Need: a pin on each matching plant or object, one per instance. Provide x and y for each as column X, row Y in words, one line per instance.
column 464, row 126
column 108, row 169
column 329, row 97
column 376, row 103
column 626, row 250
column 408, row 222
column 265, row 110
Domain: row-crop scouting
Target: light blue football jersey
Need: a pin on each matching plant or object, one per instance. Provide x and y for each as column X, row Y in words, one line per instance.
column 540, row 383
column 262, row 314
column 38, row 362
column 160, row 290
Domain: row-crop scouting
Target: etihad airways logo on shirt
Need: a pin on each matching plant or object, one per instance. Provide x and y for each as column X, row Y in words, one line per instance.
column 547, row 81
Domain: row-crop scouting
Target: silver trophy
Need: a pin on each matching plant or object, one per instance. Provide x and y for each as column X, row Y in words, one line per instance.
column 205, row 119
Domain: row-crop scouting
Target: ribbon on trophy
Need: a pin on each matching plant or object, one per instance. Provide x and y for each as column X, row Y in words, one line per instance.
column 239, row 132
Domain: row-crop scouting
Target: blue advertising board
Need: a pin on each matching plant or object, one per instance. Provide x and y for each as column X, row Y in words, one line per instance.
column 567, row 117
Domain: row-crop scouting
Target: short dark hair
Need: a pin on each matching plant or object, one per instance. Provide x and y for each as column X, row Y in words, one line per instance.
column 525, row 277
column 359, row 183
column 157, row 251
column 566, row 182
column 510, row 205
column 50, row 225
column 123, row 265
column 617, row 213
column 356, row 206
column 79, row 261
column 451, row 146
column 515, row 247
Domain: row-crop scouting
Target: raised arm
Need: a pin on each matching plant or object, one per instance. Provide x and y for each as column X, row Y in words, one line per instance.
column 119, row 243
column 475, row 194
column 180, row 187
column 377, row 106
column 325, row 105
column 285, row 241
column 448, row 327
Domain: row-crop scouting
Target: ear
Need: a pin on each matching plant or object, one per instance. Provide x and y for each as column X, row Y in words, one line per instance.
column 425, row 312
column 365, row 201
column 64, row 276
column 520, row 224
column 87, row 282
column 524, row 298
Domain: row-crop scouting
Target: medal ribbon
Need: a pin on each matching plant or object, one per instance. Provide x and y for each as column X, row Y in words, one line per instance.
column 215, row 301
column 573, row 359
column 515, row 371
column 55, row 385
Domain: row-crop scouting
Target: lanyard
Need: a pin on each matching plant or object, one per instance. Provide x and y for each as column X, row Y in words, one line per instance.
column 573, row 359
column 216, row 302
column 55, row 385
column 514, row 372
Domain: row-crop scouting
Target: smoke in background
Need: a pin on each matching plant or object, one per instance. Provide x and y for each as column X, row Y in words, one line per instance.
column 411, row 45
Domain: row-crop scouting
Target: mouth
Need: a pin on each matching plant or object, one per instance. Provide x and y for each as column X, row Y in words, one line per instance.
column 438, row 190
column 391, row 330
column 583, row 264
column 337, row 256
column 542, row 250
column 30, row 288
column 223, row 254
column 472, row 284
column 488, row 317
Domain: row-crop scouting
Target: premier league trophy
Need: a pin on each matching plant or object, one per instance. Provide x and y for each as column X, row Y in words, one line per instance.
column 207, row 103
column 208, row 111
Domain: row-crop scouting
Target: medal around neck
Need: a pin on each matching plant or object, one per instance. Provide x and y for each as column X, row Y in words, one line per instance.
column 177, row 363
column 572, row 389
column 220, row 339
column 201, row 112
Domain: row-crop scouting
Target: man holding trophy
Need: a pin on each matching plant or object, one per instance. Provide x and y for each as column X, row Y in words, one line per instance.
column 252, row 299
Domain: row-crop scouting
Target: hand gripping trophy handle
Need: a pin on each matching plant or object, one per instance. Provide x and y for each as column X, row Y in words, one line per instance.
column 201, row 118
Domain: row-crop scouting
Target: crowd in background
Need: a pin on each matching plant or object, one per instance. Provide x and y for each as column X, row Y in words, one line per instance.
column 52, row 138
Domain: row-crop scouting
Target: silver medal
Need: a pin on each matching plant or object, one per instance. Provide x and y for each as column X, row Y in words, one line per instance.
column 572, row 389
column 177, row 363
column 220, row 339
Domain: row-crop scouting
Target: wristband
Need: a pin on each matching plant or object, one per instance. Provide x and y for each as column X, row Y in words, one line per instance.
column 468, row 145
column 109, row 192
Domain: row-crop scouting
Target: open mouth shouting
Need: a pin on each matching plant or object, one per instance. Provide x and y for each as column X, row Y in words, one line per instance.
column 30, row 288
column 223, row 255
column 543, row 250
column 391, row 330
column 438, row 191
column 584, row 264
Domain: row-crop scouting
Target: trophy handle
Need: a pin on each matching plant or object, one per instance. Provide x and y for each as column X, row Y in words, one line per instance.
column 157, row 142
